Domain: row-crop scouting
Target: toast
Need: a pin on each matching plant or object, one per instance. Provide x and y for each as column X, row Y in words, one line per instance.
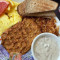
column 50, row 13
column 21, row 8
column 34, row 6
column 21, row 11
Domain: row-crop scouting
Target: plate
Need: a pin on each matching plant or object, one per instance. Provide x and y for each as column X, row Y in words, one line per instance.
column 28, row 55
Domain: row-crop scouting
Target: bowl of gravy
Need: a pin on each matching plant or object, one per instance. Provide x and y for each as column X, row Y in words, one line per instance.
column 46, row 46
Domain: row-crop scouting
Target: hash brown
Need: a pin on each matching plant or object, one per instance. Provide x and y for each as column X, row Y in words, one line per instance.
column 19, row 37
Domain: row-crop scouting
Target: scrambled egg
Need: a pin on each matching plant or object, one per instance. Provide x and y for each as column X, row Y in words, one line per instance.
column 10, row 18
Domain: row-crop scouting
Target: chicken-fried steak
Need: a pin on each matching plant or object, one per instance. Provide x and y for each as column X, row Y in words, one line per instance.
column 19, row 37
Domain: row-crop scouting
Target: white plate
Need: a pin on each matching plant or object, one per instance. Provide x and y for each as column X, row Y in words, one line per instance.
column 57, row 23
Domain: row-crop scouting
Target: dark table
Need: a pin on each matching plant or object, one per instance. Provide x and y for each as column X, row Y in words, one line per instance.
column 57, row 12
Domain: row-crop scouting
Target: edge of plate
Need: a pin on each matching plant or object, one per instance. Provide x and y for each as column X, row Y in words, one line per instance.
column 57, row 23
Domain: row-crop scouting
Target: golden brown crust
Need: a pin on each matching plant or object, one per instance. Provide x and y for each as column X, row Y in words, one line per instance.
column 19, row 37
column 47, row 25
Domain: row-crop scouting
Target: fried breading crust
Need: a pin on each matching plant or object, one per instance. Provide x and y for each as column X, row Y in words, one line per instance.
column 19, row 37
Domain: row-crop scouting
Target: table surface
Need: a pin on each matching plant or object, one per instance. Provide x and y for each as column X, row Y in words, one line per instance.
column 57, row 12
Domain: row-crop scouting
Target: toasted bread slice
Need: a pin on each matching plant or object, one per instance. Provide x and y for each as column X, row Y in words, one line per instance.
column 21, row 11
column 34, row 6
column 50, row 13
column 21, row 8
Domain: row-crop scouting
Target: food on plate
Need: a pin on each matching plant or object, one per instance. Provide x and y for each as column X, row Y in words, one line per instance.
column 21, row 8
column 10, row 17
column 39, row 7
column 20, row 30
column 50, row 14
column 46, row 48
column 34, row 6
column 48, row 25
column 21, row 11
column 19, row 37
column 3, row 6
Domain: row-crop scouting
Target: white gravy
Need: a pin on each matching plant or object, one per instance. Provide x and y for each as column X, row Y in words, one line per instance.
column 46, row 48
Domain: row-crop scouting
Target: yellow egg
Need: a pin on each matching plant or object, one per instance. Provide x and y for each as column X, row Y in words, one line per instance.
column 11, row 2
column 10, row 18
column 9, row 8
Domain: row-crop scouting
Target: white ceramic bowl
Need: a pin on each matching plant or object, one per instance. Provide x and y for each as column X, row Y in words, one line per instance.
column 45, row 34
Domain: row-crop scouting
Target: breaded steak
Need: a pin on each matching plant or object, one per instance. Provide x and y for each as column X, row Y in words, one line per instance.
column 47, row 25
column 19, row 37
